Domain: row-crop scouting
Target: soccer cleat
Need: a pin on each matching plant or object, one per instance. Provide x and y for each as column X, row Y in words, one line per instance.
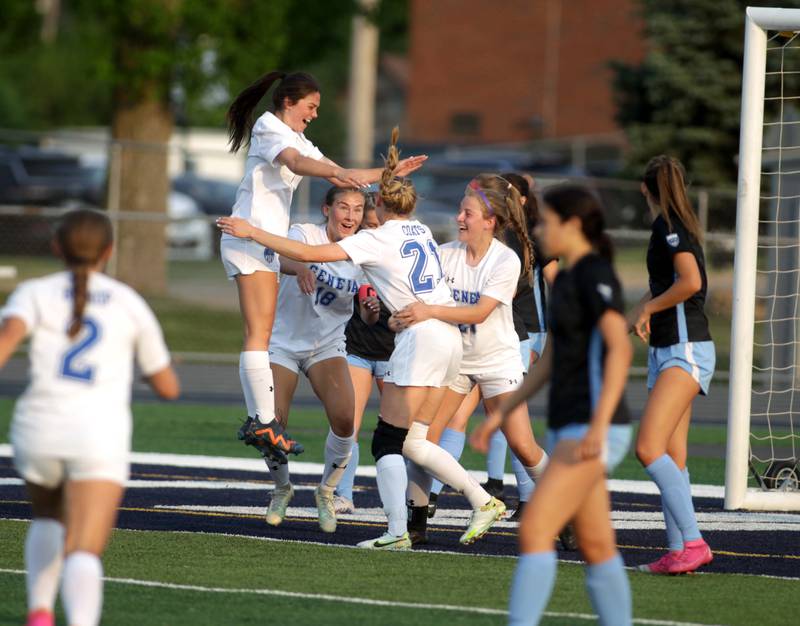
column 387, row 542
column 517, row 516
column 494, row 487
column 568, row 538
column 326, row 510
column 662, row 565
column 276, row 510
column 432, row 498
column 695, row 554
column 482, row 520
column 271, row 437
column 418, row 525
column 343, row 505
column 41, row 617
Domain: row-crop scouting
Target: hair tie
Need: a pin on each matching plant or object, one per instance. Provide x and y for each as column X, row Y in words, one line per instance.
column 473, row 184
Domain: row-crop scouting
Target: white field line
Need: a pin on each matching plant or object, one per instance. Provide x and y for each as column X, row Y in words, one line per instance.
column 183, row 484
column 622, row 520
column 297, row 467
column 360, row 601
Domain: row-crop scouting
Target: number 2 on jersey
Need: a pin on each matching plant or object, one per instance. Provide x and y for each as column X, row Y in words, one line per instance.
column 421, row 282
column 69, row 369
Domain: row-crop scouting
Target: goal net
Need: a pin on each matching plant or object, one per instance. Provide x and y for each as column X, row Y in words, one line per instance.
column 764, row 397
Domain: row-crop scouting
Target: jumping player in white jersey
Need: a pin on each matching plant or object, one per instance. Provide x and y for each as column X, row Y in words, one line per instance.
column 401, row 261
column 71, row 428
column 308, row 336
column 279, row 156
column 482, row 274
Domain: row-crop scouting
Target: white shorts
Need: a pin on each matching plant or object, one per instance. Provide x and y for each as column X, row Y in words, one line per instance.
column 302, row 361
column 427, row 354
column 52, row 471
column 491, row 384
column 244, row 256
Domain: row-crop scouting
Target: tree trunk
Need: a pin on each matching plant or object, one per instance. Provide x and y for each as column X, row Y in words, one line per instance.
column 144, row 128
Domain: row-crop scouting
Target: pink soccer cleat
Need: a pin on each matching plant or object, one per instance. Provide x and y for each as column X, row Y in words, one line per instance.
column 662, row 565
column 695, row 554
column 41, row 617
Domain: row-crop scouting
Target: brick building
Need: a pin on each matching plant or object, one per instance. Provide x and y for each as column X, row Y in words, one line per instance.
column 516, row 70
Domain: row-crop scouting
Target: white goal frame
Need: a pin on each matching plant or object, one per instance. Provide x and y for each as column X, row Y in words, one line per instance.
column 737, row 495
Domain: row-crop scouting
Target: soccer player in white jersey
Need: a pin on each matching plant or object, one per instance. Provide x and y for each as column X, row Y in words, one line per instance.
column 401, row 261
column 278, row 157
column 71, row 428
column 482, row 274
column 308, row 337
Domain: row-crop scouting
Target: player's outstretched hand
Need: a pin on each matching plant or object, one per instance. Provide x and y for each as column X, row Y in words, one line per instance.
column 410, row 165
column 360, row 179
column 413, row 314
column 235, row 226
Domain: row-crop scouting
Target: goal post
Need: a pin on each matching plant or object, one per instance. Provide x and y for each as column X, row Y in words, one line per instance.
column 759, row 294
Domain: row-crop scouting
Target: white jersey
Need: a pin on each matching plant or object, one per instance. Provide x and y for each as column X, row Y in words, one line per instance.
column 307, row 323
column 264, row 196
column 78, row 400
column 401, row 261
column 492, row 345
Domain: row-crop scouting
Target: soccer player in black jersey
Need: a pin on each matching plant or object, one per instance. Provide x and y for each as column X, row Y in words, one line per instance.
column 681, row 357
column 586, row 360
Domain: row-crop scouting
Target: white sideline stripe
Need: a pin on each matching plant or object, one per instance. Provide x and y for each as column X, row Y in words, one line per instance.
column 183, row 484
column 362, row 601
column 644, row 487
column 622, row 520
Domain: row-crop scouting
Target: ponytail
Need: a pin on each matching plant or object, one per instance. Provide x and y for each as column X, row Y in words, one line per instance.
column 82, row 237
column 397, row 194
column 569, row 201
column 295, row 86
column 665, row 179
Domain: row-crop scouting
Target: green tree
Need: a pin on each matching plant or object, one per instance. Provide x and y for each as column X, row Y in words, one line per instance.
column 684, row 98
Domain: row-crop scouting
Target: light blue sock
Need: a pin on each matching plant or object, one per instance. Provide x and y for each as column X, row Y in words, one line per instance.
column 676, row 494
column 524, row 481
column 531, row 588
column 496, row 457
column 674, row 536
column 345, row 486
column 610, row 592
column 453, row 442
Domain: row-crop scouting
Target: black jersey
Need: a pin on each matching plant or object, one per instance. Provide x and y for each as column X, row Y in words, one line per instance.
column 686, row 321
column 523, row 306
column 579, row 298
column 537, row 322
column 375, row 342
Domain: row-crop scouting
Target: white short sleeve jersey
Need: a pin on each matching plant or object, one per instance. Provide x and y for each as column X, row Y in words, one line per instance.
column 401, row 261
column 78, row 397
column 265, row 194
column 307, row 323
column 493, row 345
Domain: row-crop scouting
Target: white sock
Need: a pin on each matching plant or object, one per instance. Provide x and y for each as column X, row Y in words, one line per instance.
column 256, row 377
column 392, row 480
column 337, row 454
column 279, row 472
column 44, row 554
column 537, row 470
column 82, row 588
column 419, row 485
column 442, row 466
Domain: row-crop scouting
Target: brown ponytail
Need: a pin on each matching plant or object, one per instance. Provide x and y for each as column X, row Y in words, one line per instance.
column 665, row 179
column 294, row 86
column 82, row 237
column 505, row 205
column 397, row 194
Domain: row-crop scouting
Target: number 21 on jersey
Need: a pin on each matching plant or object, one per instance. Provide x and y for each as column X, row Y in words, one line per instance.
column 420, row 279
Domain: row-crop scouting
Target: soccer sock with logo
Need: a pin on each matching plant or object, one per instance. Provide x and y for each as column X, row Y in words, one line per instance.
column 392, row 484
column 345, row 486
column 453, row 442
column 337, row 456
column 256, row 378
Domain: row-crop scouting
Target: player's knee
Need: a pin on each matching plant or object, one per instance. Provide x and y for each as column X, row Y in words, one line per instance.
column 387, row 439
column 647, row 451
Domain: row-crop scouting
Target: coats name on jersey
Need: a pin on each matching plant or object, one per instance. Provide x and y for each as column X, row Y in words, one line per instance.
column 333, row 281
